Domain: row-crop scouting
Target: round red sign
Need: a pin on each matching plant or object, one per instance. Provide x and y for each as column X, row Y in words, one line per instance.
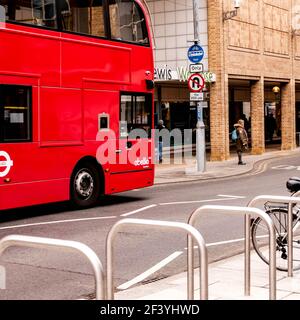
column 196, row 82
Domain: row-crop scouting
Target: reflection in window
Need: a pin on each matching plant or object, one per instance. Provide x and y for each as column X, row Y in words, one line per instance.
column 135, row 113
column 127, row 22
column 83, row 17
column 15, row 113
column 35, row 12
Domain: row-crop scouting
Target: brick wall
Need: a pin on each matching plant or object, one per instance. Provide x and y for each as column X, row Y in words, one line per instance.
column 256, row 44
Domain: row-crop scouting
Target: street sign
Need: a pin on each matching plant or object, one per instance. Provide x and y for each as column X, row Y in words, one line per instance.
column 203, row 104
column 195, row 53
column 196, row 68
column 196, row 82
column 196, row 96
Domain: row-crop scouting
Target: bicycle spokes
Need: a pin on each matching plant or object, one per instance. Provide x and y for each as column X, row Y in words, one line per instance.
column 260, row 238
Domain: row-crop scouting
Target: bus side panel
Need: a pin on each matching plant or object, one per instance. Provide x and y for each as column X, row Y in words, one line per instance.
column 142, row 57
column 125, row 181
column 35, row 53
column 94, row 60
column 36, row 175
column 33, row 193
column 61, row 117
column 96, row 103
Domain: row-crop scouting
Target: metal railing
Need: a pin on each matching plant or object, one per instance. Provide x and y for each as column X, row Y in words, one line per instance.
column 193, row 233
column 48, row 243
column 280, row 199
column 240, row 211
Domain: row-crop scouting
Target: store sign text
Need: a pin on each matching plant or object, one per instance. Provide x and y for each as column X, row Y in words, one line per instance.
column 181, row 74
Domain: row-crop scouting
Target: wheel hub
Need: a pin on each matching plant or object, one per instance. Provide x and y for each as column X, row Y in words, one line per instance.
column 84, row 184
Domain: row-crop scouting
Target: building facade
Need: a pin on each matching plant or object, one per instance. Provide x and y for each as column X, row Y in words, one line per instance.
column 173, row 29
column 252, row 66
column 256, row 56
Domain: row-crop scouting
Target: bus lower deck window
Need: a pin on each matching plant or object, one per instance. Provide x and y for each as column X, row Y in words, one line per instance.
column 15, row 113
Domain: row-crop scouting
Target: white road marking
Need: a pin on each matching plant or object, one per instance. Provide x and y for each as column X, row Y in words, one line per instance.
column 224, row 242
column 113, row 217
column 286, row 167
column 138, row 210
column 150, row 271
column 220, row 243
column 227, row 241
column 169, row 259
column 229, row 196
column 196, row 201
column 54, row 222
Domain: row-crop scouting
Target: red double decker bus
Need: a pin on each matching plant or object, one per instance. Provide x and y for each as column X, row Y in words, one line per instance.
column 70, row 71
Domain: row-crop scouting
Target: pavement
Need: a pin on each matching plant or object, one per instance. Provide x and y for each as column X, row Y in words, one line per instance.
column 168, row 172
column 226, row 277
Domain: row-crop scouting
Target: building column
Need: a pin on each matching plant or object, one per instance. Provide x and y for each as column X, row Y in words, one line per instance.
column 288, row 109
column 257, row 117
column 219, row 126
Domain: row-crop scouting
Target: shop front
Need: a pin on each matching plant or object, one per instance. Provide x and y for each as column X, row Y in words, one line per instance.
column 172, row 100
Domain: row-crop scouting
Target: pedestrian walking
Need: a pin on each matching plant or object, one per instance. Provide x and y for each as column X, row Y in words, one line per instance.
column 270, row 126
column 241, row 141
column 160, row 140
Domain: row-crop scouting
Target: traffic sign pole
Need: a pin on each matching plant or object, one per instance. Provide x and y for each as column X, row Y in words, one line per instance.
column 200, row 127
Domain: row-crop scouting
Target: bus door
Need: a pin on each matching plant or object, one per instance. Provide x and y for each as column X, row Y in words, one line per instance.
column 134, row 165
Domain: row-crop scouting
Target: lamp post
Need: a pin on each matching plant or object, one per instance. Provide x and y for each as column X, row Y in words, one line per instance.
column 200, row 127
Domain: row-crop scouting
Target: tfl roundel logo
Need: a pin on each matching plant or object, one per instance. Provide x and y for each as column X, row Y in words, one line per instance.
column 5, row 164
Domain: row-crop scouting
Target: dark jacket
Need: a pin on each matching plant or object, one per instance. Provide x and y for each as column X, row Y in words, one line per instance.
column 159, row 128
column 242, row 140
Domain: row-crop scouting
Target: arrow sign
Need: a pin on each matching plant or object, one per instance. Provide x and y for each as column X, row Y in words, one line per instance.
column 196, row 82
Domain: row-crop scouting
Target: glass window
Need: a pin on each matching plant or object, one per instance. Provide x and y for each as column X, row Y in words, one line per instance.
column 127, row 21
column 85, row 17
column 35, row 12
column 135, row 113
column 15, row 113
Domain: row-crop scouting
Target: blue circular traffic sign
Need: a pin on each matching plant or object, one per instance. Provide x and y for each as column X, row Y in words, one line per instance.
column 195, row 53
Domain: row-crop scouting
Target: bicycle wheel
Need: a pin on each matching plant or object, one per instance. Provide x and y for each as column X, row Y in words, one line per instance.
column 260, row 239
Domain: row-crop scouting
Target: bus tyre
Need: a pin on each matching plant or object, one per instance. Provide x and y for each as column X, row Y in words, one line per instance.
column 85, row 185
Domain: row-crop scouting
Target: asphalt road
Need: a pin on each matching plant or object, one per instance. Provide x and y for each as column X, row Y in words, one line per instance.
column 47, row 274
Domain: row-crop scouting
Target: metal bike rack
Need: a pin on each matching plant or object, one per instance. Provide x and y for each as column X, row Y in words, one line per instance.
column 164, row 224
column 289, row 201
column 42, row 243
column 239, row 211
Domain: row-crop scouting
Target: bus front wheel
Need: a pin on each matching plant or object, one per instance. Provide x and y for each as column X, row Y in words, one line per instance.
column 85, row 185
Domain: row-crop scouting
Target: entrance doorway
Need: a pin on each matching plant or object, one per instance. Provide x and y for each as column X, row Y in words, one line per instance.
column 239, row 105
column 272, row 114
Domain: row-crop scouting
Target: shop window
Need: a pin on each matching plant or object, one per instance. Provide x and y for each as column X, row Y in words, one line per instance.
column 15, row 113
column 34, row 12
column 135, row 113
column 127, row 22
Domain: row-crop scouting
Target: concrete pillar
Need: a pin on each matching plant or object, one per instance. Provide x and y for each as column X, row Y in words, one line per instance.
column 288, row 109
column 257, row 117
column 219, row 131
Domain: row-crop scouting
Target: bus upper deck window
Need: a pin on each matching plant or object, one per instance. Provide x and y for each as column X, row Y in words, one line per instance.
column 84, row 17
column 34, row 12
column 127, row 22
